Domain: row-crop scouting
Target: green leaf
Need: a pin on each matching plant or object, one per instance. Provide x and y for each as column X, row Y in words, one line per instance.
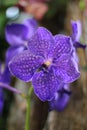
column 9, row 2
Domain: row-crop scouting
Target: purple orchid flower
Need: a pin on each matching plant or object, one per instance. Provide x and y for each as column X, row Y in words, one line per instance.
column 76, row 34
column 17, row 36
column 61, row 99
column 47, row 62
column 62, row 96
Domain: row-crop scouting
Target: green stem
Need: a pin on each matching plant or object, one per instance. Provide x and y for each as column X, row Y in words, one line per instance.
column 27, row 123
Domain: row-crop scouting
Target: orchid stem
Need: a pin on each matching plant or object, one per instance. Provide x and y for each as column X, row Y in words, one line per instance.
column 27, row 123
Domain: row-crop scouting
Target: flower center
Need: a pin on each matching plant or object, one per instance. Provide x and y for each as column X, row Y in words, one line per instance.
column 25, row 43
column 48, row 62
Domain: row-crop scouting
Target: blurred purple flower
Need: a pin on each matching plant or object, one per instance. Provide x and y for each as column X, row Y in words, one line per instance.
column 5, row 78
column 76, row 34
column 61, row 99
column 48, row 62
column 17, row 35
column 1, row 100
column 1, row 95
column 76, row 30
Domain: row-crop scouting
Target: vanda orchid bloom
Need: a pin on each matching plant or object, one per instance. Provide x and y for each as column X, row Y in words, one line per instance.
column 48, row 62
column 17, row 36
column 62, row 97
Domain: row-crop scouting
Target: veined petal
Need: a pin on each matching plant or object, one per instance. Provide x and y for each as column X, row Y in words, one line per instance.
column 41, row 42
column 45, row 84
column 13, row 51
column 16, row 34
column 63, row 44
column 76, row 30
column 24, row 65
column 67, row 69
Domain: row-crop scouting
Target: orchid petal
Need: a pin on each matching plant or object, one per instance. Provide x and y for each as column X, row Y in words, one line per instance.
column 41, row 42
column 45, row 84
column 13, row 51
column 60, row 101
column 67, row 69
column 24, row 65
column 16, row 34
column 76, row 30
column 31, row 25
column 63, row 44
